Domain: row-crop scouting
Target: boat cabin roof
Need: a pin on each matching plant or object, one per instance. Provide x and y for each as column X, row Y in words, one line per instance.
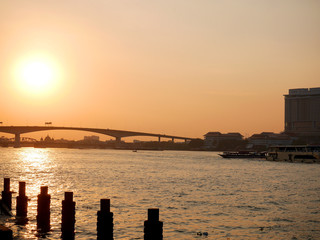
column 296, row 148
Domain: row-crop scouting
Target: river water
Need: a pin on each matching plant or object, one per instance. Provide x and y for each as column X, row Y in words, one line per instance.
column 195, row 192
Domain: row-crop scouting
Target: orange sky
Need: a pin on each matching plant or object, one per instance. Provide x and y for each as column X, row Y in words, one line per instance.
column 177, row 67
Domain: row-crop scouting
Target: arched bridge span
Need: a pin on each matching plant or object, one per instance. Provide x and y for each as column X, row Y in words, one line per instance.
column 117, row 134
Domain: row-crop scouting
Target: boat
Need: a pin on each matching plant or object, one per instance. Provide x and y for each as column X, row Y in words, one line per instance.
column 243, row 154
column 294, row 153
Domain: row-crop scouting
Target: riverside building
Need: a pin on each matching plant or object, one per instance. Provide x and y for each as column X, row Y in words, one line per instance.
column 213, row 139
column 302, row 112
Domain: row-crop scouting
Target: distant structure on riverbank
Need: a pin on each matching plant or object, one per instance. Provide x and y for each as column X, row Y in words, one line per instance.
column 302, row 112
column 302, row 126
column 266, row 139
column 217, row 140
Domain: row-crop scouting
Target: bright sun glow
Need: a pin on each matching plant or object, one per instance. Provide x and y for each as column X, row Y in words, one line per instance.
column 37, row 76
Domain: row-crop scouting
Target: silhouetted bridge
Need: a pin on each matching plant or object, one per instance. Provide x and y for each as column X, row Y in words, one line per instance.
column 117, row 134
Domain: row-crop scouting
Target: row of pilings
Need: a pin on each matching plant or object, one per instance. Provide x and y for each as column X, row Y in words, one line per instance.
column 153, row 228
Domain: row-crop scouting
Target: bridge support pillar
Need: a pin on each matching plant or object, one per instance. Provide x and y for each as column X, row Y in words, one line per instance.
column 118, row 139
column 159, row 139
column 17, row 140
column 172, row 140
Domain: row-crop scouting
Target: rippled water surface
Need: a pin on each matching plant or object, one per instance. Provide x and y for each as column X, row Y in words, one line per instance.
column 195, row 192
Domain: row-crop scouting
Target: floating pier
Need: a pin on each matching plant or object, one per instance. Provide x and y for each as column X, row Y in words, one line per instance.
column 5, row 233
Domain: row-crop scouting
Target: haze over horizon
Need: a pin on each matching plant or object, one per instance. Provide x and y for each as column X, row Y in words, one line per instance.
column 172, row 67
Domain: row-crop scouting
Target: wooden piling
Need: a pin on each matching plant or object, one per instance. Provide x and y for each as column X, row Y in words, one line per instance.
column 6, row 194
column 43, row 211
column 5, row 233
column 153, row 227
column 22, row 201
column 105, row 221
column 68, row 216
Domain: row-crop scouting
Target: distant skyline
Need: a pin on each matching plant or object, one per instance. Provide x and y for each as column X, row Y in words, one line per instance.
column 179, row 67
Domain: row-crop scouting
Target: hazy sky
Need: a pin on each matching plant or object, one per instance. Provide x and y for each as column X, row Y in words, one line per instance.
column 176, row 67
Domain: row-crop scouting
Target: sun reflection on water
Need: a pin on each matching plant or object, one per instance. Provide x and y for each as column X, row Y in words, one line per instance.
column 36, row 167
column 33, row 158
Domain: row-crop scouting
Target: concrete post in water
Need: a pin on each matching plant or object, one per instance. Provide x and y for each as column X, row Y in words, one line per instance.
column 68, row 216
column 22, row 201
column 153, row 227
column 105, row 221
column 6, row 194
column 43, row 216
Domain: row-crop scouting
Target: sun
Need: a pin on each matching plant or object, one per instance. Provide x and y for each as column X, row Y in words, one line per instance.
column 36, row 76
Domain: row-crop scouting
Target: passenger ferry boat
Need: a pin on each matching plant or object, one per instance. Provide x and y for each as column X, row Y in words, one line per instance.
column 294, row 153
column 243, row 154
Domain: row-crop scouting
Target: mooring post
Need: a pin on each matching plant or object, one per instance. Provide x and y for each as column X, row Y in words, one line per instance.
column 105, row 221
column 22, row 201
column 153, row 227
column 6, row 194
column 68, row 216
column 43, row 216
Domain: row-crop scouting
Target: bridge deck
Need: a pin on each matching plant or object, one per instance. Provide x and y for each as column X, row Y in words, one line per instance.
column 110, row 132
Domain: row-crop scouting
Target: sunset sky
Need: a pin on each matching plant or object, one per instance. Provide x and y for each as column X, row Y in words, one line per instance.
column 178, row 67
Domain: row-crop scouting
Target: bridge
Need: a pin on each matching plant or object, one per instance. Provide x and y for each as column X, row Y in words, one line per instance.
column 117, row 134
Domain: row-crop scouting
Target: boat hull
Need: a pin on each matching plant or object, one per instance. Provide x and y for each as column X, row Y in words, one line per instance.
column 242, row 155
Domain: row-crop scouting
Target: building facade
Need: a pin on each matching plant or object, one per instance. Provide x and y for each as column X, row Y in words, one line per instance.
column 91, row 138
column 213, row 139
column 267, row 139
column 302, row 112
